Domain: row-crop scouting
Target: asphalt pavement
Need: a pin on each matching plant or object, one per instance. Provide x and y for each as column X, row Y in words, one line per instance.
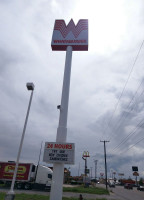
column 117, row 193
column 126, row 194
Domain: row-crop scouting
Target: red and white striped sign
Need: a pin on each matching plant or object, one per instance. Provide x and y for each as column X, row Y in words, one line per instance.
column 70, row 35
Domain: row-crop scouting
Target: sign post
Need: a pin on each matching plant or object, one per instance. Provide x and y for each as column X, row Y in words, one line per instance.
column 86, row 171
column 66, row 38
column 135, row 172
column 58, row 168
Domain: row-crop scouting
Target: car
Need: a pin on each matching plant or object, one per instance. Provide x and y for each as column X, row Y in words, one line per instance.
column 94, row 180
column 140, row 188
column 128, row 186
column 112, row 185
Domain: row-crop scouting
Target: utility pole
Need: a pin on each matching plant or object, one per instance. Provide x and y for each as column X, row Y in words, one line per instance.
column 91, row 172
column 105, row 161
column 95, row 161
column 79, row 169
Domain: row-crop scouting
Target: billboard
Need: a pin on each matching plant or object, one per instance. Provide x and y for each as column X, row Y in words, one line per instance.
column 7, row 171
column 135, row 168
column 59, row 152
column 70, row 35
column 121, row 174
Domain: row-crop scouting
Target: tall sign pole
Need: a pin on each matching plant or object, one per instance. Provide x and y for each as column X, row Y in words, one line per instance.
column 84, row 157
column 66, row 38
column 58, row 168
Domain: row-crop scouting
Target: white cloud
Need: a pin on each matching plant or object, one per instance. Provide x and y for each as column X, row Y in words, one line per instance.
column 98, row 77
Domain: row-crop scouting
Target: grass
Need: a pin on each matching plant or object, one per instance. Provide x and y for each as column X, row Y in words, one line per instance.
column 2, row 185
column 81, row 189
column 39, row 197
column 26, row 197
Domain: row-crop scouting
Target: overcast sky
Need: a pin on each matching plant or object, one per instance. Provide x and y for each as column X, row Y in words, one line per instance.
column 107, row 82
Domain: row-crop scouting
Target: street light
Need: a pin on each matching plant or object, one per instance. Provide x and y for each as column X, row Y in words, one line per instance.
column 11, row 195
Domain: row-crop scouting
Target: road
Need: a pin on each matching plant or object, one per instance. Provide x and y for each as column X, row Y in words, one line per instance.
column 117, row 193
column 125, row 194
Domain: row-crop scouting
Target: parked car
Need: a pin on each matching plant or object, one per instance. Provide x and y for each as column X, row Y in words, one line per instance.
column 140, row 187
column 128, row 186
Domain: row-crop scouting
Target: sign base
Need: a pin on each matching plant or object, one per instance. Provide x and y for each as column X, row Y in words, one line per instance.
column 9, row 197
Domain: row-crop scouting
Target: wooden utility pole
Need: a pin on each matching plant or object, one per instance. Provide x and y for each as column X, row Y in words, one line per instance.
column 105, row 161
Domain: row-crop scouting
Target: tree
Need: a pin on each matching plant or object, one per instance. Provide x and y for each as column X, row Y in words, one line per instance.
column 141, row 181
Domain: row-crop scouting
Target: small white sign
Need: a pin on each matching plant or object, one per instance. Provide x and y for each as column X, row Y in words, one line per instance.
column 59, row 152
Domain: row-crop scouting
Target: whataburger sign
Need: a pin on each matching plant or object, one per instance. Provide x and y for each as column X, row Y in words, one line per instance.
column 70, row 35
column 59, row 152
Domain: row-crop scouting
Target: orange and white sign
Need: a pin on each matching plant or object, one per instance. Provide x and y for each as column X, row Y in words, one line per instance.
column 70, row 35
column 59, row 152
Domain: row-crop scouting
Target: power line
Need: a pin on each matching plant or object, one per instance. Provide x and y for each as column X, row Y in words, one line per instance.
column 130, row 134
column 125, row 84
column 133, row 145
column 132, row 108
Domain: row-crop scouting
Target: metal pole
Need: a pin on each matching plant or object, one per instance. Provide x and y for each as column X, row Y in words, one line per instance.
column 11, row 194
column 40, row 153
column 85, row 169
column 95, row 170
column 58, row 168
column 38, row 161
column 136, row 181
